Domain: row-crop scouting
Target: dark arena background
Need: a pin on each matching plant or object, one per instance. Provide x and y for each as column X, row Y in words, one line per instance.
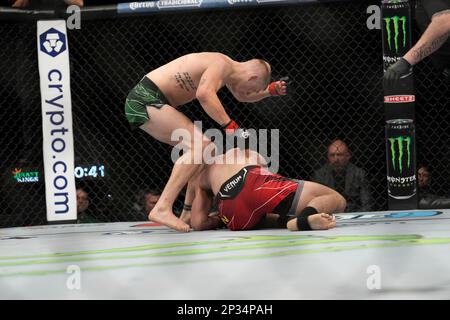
column 335, row 66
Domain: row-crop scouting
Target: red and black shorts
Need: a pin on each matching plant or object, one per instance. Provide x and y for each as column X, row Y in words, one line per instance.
column 246, row 198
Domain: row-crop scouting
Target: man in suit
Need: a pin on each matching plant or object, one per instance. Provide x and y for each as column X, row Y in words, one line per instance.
column 345, row 177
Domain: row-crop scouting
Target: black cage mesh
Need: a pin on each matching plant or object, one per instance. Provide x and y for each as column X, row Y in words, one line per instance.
column 334, row 61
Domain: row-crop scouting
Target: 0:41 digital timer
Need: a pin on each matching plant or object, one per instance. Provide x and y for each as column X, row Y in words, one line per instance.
column 89, row 172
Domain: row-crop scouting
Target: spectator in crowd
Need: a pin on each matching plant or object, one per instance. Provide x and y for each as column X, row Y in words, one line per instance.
column 83, row 207
column 428, row 200
column 145, row 201
column 38, row 4
column 345, row 177
column 139, row 204
column 151, row 198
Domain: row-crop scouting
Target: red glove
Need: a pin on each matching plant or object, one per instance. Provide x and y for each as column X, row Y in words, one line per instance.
column 278, row 88
column 230, row 127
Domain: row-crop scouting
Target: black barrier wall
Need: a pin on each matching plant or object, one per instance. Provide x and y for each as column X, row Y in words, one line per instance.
column 332, row 58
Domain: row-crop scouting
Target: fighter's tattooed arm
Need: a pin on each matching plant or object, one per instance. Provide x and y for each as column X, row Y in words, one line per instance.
column 185, row 82
column 428, row 48
column 441, row 13
column 437, row 32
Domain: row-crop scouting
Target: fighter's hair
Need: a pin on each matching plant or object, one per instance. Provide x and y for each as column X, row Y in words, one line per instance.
column 267, row 68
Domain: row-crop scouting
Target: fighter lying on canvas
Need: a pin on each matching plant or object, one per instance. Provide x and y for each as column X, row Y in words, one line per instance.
column 248, row 196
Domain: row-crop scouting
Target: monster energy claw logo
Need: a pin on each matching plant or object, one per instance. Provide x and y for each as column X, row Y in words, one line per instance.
column 396, row 25
column 399, row 142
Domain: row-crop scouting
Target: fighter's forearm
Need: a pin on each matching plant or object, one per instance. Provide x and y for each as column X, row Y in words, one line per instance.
column 432, row 39
column 187, row 206
column 214, row 108
column 190, row 195
column 254, row 97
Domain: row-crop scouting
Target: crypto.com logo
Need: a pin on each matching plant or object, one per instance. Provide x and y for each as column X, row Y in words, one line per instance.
column 52, row 42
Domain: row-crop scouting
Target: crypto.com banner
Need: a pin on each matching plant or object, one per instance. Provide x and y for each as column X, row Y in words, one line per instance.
column 58, row 153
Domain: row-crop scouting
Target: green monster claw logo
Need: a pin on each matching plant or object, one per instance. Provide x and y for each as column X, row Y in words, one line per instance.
column 399, row 142
column 395, row 22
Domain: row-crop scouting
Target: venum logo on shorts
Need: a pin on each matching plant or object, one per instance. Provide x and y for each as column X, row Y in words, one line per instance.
column 399, row 99
column 233, row 186
column 52, row 42
column 233, row 183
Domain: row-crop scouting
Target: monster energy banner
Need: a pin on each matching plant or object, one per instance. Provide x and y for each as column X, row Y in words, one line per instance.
column 401, row 165
column 399, row 103
column 396, row 29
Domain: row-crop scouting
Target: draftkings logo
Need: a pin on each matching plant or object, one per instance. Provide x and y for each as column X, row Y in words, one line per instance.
column 396, row 32
column 20, row 175
column 52, row 42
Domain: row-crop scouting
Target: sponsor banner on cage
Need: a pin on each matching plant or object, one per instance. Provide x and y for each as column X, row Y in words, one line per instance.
column 396, row 30
column 58, row 152
column 401, row 159
column 399, row 98
column 169, row 5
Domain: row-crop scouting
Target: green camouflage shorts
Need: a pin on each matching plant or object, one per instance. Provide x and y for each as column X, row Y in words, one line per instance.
column 144, row 94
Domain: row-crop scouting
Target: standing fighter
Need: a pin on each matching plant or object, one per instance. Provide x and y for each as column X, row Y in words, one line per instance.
column 151, row 105
column 247, row 196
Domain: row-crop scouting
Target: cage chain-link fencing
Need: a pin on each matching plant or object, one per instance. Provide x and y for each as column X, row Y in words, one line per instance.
column 333, row 60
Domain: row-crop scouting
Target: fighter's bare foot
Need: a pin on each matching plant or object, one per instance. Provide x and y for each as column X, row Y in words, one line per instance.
column 167, row 218
column 319, row 221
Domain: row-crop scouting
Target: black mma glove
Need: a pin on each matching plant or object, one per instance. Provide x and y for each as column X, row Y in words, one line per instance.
column 395, row 72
